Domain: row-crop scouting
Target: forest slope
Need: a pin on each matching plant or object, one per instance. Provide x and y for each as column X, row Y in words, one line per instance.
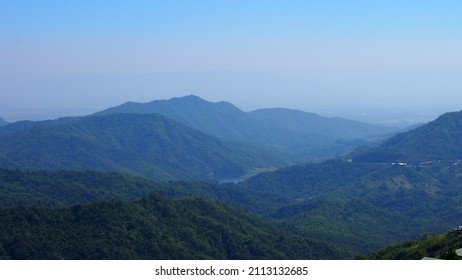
column 151, row 228
column 441, row 246
column 370, row 202
column 149, row 145
column 438, row 140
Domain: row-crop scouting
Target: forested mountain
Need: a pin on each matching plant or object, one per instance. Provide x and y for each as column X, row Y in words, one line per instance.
column 441, row 246
column 151, row 228
column 145, row 144
column 220, row 119
column 357, row 206
column 438, row 140
column 362, row 205
column 67, row 188
column 302, row 136
column 3, row 122
column 21, row 126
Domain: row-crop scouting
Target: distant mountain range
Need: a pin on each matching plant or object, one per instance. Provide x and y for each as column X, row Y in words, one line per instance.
column 357, row 206
column 408, row 185
column 184, row 138
column 149, row 145
column 301, row 136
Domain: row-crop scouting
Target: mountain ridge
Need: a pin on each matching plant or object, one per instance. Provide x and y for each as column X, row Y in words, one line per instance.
column 437, row 140
column 150, row 145
column 310, row 138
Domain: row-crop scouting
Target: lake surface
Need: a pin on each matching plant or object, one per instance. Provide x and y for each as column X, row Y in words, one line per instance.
column 246, row 176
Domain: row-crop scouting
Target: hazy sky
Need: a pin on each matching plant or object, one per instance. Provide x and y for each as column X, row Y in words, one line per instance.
column 341, row 57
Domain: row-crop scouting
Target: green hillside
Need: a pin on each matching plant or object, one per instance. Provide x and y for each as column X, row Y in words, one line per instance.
column 360, row 206
column 364, row 206
column 441, row 246
column 148, row 145
column 68, row 188
column 151, row 228
column 22, row 126
column 64, row 188
column 435, row 141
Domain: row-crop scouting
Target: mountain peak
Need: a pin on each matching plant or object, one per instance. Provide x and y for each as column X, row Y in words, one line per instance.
column 186, row 98
column 190, row 97
column 197, row 100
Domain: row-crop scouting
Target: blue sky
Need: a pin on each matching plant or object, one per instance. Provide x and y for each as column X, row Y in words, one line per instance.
column 332, row 57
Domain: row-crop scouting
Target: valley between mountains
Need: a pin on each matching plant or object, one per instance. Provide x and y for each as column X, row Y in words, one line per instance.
column 141, row 181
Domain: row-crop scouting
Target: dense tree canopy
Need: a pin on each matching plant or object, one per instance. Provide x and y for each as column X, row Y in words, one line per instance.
column 151, row 228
